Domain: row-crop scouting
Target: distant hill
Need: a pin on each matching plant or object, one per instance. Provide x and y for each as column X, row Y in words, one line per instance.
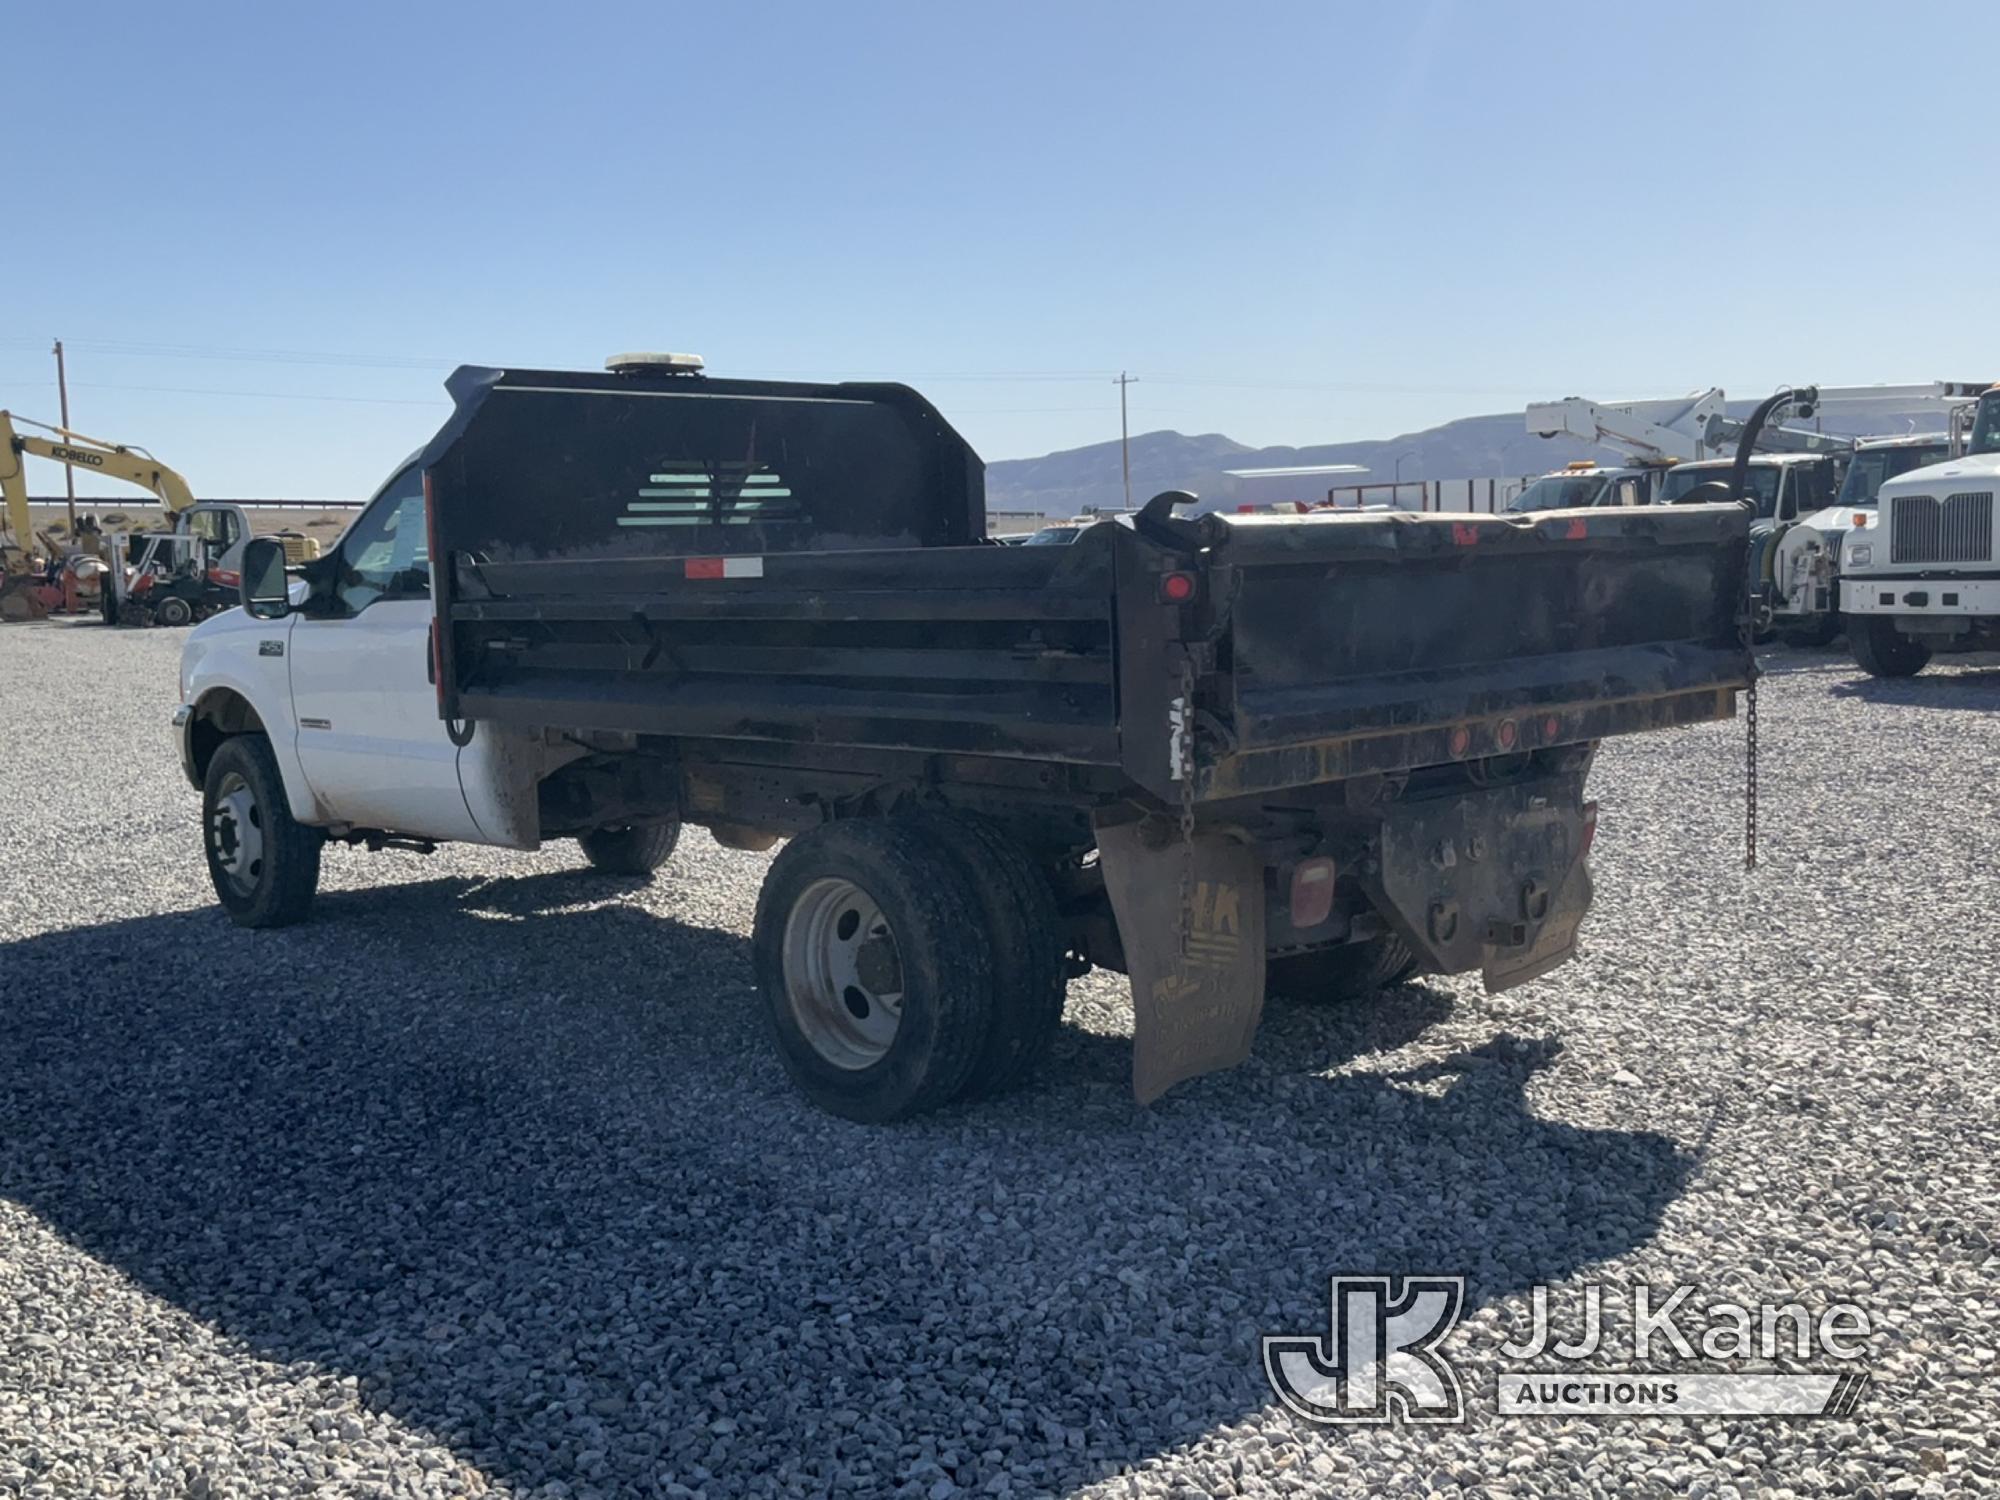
column 1496, row 446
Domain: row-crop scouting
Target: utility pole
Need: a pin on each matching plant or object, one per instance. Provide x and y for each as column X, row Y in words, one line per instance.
column 1125, row 432
column 69, row 474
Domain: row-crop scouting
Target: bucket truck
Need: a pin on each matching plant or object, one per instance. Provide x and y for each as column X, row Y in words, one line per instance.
column 1657, row 434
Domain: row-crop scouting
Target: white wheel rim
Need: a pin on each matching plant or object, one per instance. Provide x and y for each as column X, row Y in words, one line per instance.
column 236, row 834
column 843, row 974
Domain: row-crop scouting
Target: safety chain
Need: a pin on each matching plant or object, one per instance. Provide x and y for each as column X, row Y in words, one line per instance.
column 1187, row 799
column 1750, row 745
column 1750, row 778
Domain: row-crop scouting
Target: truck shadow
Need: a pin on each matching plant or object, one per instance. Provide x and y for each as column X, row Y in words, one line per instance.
column 547, row 1195
column 1975, row 689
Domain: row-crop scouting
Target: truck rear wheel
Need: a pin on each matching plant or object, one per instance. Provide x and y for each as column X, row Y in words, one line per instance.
column 1350, row 972
column 263, row 863
column 876, row 968
column 634, row 849
column 1882, row 650
column 1029, row 986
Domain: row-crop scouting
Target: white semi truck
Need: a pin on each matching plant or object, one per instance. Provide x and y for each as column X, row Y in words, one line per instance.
column 1922, row 576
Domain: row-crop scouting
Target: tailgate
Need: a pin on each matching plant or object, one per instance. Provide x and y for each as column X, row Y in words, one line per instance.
column 1383, row 642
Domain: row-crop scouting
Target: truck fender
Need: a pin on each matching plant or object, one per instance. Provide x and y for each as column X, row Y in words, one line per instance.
column 1195, row 1009
column 215, row 695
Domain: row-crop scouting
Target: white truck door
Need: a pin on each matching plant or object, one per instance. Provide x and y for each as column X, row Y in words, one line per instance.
column 369, row 737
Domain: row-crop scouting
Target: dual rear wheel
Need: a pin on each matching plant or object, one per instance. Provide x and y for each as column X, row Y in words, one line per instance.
column 905, row 963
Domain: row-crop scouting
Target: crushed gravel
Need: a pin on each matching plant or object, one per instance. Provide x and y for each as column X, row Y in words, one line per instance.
column 486, row 1181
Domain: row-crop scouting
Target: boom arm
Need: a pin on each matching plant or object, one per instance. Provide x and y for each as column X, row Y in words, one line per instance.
column 1651, row 431
column 115, row 460
column 1678, row 430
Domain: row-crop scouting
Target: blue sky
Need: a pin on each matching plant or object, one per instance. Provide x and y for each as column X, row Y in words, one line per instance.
column 283, row 224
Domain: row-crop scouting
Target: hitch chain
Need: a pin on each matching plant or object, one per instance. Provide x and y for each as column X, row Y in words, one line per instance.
column 1750, row 778
column 1187, row 800
column 1750, row 752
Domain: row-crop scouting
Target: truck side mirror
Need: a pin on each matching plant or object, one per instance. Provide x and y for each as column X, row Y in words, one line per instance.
column 265, row 593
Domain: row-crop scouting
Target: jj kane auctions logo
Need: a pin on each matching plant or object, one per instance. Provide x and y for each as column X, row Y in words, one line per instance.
column 1382, row 1357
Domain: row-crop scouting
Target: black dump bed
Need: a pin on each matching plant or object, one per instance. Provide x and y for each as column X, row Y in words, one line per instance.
column 806, row 563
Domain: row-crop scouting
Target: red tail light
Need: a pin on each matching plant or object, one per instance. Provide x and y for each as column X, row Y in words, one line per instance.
column 1176, row 588
column 1589, row 828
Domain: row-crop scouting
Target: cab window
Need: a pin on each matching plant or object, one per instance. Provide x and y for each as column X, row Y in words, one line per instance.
column 216, row 527
column 386, row 554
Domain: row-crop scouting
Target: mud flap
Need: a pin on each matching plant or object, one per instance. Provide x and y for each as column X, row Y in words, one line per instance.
column 1196, row 1013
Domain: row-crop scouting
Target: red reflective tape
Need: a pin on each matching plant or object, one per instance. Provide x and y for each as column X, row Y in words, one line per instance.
column 1463, row 535
column 704, row 567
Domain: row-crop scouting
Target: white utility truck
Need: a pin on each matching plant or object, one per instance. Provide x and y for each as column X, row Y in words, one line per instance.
column 1918, row 573
column 1806, row 571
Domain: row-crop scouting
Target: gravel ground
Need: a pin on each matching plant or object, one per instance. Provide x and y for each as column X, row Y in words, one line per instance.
column 485, row 1180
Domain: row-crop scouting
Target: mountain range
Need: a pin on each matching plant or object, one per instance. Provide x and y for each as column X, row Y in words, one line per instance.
column 1496, row 446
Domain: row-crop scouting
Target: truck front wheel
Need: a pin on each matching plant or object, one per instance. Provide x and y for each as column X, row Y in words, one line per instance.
column 263, row 863
column 1350, row 972
column 1882, row 650
column 635, row 849
column 875, row 967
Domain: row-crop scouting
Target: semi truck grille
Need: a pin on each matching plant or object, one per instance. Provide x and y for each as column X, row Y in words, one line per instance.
column 1958, row 529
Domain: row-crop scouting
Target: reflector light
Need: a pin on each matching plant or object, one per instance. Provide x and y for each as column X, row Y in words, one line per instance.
column 1461, row 740
column 1312, row 892
column 1551, row 727
column 1176, row 588
column 1507, row 734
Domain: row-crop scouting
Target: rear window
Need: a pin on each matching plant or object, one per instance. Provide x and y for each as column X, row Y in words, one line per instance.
column 540, row 473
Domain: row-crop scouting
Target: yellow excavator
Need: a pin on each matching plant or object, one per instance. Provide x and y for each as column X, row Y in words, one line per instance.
column 20, row 587
column 215, row 532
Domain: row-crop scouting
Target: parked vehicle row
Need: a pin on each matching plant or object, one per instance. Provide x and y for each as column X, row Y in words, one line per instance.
column 1816, row 511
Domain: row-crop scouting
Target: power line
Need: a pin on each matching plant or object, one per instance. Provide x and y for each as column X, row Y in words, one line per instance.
column 189, row 390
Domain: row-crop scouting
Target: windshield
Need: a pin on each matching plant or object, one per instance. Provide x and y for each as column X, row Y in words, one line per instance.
column 1054, row 536
column 1761, row 482
column 1871, row 466
column 1986, row 426
column 1560, row 492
